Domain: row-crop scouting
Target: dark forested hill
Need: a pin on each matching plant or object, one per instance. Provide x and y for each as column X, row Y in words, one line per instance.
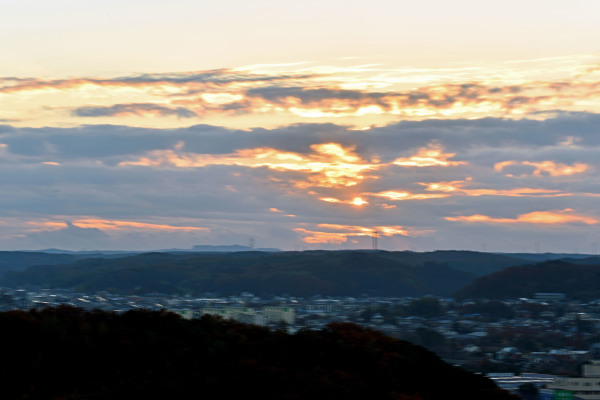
column 67, row 353
column 19, row 260
column 578, row 281
column 297, row 273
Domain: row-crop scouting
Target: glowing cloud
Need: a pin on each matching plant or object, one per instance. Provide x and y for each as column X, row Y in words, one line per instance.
column 293, row 93
column 432, row 156
column 359, row 201
column 566, row 216
column 456, row 188
column 397, row 196
column 104, row 224
column 545, row 167
column 556, row 169
column 356, row 201
column 46, row 225
column 329, row 164
column 334, row 233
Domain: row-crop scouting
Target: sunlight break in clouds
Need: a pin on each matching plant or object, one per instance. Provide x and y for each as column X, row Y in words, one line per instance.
column 428, row 157
column 329, row 164
column 356, row 201
column 397, row 196
column 334, row 233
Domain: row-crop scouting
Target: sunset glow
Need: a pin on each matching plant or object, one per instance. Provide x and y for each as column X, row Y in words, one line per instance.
column 546, row 167
column 329, row 165
column 428, row 157
column 116, row 225
column 300, row 126
column 335, row 233
column 565, row 216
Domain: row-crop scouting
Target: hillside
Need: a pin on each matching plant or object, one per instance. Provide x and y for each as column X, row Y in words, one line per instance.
column 298, row 274
column 333, row 273
column 20, row 260
column 67, row 353
column 577, row 281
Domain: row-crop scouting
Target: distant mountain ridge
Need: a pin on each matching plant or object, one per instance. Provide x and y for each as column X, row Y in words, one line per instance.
column 334, row 273
column 306, row 273
column 197, row 248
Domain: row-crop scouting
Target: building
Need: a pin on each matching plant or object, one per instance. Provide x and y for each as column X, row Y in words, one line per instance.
column 280, row 314
column 586, row 387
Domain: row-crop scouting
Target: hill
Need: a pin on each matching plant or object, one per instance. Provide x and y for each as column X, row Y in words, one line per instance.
column 298, row 274
column 580, row 280
column 332, row 273
column 67, row 353
column 20, row 260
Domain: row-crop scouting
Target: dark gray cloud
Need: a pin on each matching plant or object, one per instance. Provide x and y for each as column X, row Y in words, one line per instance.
column 133, row 109
column 439, row 97
column 476, row 136
column 213, row 77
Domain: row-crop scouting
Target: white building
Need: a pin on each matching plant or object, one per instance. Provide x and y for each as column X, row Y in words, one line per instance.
column 280, row 314
column 586, row 387
column 246, row 315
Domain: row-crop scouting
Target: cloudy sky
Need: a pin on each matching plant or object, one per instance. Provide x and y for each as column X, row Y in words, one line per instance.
column 300, row 125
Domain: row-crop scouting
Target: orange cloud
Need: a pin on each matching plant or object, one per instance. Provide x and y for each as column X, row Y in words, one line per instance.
column 334, row 233
column 357, row 94
column 431, row 156
column 278, row 211
column 457, row 188
column 503, row 164
column 546, row 167
column 556, row 169
column 329, row 164
column 397, row 196
column 566, row 216
column 47, row 225
column 104, row 224
column 314, row 237
column 356, row 201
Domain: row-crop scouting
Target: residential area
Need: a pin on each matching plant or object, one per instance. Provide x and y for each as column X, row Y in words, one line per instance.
column 544, row 334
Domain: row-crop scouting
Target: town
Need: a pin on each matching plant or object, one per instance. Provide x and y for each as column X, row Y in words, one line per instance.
column 547, row 334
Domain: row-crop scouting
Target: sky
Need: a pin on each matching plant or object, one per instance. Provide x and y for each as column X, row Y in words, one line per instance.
column 429, row 125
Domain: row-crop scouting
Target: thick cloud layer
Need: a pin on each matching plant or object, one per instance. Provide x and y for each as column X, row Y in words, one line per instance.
column 492, row 183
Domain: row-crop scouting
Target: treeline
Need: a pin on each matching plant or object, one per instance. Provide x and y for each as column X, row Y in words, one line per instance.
column 329, row 273
column 68, row 353
column 579, row 280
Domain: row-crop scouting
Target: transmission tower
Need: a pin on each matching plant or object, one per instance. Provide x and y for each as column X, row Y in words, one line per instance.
column 374, row 237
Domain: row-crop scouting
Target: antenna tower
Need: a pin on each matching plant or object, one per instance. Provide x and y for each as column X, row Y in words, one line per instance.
column 374, row 237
